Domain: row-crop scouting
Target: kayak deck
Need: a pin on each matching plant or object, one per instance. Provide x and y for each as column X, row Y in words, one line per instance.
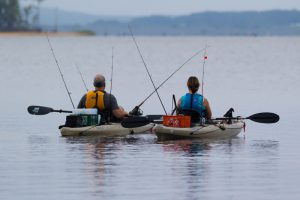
column 107, row 130
column 208, row 131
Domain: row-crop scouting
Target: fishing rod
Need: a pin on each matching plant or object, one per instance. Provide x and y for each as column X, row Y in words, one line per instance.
column 136, row 109
column 203, row 70
column 147, row 69
column 111, row 83
column 202, row 84
column 81, row 77
column 112, row 70
column 62, row 76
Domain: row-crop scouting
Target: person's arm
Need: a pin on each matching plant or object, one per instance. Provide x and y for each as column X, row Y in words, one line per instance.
column 117, row 110
column 208, row 109
column 120, row 113
column 178, row 105
column 82, row 102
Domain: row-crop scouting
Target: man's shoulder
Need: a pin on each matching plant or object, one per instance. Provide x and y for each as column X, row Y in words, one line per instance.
column 84, row 96
column 109, row 95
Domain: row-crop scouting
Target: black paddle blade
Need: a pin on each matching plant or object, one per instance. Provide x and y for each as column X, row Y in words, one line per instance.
column 39, row 110
column 134, row 122
column 265, row 117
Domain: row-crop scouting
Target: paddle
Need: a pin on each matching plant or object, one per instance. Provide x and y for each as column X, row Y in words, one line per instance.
column 154, row 117
column 264, row 117
column 42, row 110
column 134, row 122
column 138, row 121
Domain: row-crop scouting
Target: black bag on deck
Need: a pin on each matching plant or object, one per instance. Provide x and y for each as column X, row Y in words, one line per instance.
column 82, row 120
column 74, row 121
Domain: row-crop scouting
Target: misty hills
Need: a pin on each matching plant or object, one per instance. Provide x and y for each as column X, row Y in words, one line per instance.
column 275, row 22
column 61, row 18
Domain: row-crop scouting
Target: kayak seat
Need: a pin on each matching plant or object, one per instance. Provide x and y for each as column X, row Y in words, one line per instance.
column 195, row 115
column 229, row 115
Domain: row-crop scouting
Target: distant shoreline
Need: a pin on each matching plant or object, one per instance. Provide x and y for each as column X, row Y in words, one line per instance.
column 36, row 33
column 84, row 34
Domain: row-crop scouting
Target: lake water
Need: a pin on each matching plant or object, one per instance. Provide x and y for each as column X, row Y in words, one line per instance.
column 250, row 74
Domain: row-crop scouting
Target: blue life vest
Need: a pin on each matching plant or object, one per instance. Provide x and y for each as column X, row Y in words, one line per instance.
column 193, row 101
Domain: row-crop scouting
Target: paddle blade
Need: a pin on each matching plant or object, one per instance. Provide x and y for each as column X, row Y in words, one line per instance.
column 134, row 122
column 39, row 110
column 265, row 117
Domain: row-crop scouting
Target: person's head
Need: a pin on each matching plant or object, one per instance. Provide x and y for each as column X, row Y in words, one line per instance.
column 193, row 84
column 99, row 81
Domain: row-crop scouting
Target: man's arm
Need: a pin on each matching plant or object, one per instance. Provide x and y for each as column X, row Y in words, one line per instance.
column 82, row 102
column 117, row 111
column 120, row 113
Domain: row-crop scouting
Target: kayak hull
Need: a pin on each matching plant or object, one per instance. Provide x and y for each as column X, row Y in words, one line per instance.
column 211, row 131
column 109, row 130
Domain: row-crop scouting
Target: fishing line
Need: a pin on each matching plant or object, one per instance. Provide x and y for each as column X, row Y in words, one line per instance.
column 69, row 93
column 155, row 89
column 188, row 60
column 81, row 77
column 112, row 70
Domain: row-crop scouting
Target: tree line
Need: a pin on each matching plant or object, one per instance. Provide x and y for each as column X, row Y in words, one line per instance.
column 19, row 16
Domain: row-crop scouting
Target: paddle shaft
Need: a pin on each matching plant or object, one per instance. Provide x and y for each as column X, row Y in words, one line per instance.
column 42, row 110
column 264, row 117
column 62, row 111
column 227, row 118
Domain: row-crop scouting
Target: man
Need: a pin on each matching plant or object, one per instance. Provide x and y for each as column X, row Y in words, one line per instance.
column 105, row 103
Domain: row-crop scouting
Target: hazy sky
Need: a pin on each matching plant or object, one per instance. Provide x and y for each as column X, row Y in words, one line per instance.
column 167, row 7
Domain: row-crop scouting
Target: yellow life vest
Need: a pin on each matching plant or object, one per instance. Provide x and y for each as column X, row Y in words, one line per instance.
column 95, row 99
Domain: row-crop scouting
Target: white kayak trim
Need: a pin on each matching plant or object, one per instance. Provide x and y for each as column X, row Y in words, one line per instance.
column 107, row 130
column 219, row 130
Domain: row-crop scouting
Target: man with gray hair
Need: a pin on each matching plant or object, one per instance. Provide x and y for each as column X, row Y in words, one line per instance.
column 105, row 103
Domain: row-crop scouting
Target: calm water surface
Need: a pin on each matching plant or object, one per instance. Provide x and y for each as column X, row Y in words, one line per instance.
column 251, row 74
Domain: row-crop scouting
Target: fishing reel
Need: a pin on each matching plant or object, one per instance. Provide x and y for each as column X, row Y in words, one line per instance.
column 136, row 111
